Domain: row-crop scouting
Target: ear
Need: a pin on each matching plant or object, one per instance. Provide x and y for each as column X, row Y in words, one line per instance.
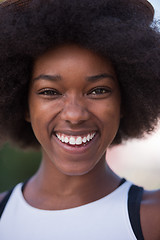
column 27, row 116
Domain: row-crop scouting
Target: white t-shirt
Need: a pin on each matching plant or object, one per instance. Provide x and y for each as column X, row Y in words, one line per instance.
column 104, row 219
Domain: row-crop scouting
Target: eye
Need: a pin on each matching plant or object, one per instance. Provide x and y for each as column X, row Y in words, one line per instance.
column 49, row 92
column 100, row 91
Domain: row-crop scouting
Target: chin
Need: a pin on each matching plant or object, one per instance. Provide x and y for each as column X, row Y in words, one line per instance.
column 76, row 171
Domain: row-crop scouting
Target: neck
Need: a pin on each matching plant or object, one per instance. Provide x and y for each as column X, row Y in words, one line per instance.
column 71, row 191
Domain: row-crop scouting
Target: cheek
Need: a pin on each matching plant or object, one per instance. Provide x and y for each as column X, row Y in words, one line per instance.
column 110, row 127
column 41, row 116
column 108, row 111
column 43, row 109
column 111, row 120
column 108, row 115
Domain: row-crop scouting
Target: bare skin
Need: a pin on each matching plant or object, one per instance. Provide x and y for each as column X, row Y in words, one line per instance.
column 74, row 92
column 150, row 215
column 68, row 193
column 2, row 195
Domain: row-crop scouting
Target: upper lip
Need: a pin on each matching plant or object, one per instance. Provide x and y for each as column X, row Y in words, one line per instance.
column 75, row 133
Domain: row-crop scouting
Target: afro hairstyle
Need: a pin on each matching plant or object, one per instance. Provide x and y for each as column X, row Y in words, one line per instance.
column 119, row 30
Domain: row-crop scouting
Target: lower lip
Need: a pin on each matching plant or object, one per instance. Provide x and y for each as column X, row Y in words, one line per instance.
column 76, row 148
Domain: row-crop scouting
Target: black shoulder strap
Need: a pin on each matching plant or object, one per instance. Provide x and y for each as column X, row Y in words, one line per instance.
column 4, row 201
column 134, row 202
column 6, row 198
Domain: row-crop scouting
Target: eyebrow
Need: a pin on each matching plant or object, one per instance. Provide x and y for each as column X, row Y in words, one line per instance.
column 48, row 77
column 89, row 79
column 99, row 77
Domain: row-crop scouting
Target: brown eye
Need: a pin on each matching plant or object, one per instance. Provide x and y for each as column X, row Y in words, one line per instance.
column 49, row 92
column 99, row 91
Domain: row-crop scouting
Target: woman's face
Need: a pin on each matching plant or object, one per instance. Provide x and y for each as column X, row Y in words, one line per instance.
column 74, row 107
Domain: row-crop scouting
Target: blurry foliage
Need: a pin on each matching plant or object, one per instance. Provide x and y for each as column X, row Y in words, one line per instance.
column 16, row 166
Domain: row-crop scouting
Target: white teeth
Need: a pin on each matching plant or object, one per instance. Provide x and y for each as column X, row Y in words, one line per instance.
column 88, row 137
column 77, row 140
column 66, row 140
column 59, row 138
column 72, row 141
column 63, row 139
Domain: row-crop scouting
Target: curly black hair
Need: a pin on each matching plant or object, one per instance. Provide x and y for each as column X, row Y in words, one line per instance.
column 119, row 30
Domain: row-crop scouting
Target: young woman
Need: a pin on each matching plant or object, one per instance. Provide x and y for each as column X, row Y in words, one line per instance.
column 77, row 76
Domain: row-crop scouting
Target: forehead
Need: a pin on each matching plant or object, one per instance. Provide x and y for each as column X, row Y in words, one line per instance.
column 70, row 57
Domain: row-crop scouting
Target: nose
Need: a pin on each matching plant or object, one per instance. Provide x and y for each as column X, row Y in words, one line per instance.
column 74, row 111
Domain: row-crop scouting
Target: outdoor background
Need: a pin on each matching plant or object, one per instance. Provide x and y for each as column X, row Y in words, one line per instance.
column 137, row 160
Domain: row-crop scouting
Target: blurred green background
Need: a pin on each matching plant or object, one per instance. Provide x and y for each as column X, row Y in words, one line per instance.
column 16, row 166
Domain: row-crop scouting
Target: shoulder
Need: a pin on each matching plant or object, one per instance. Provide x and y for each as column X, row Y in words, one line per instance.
column 5, row 195
column 2, row 196
column 150, row 215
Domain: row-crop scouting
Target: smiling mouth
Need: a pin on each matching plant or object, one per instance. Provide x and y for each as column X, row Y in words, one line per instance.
column 75, row 140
